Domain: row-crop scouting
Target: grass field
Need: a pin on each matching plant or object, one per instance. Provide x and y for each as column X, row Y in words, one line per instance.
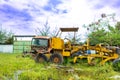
column 16, row 67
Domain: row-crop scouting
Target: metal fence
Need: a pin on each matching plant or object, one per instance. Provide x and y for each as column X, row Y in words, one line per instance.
column 21, row 46
column 6, row 48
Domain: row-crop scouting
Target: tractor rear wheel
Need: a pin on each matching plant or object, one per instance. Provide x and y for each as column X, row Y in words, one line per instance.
column 41, row 58
column 56, row 58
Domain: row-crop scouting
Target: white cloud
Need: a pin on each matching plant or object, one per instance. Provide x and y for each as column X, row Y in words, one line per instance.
column 78, row 12
column 21, row 4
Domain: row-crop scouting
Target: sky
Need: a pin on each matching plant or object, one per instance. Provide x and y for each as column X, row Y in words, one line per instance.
column 23, row 17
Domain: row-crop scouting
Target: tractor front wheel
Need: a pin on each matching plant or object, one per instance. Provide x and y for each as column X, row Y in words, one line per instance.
column 56, row 58
column 41, row 58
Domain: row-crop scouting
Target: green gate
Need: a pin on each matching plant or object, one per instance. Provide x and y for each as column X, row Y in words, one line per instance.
column 21, row 46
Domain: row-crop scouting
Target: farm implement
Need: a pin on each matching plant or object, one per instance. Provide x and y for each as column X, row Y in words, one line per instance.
column 102, row 51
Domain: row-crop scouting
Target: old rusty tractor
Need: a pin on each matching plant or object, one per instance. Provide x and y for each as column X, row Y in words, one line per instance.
column 55, row 49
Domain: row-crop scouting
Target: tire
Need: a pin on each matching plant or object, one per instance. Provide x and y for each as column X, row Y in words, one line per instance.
column 40, row 58
column 56, row 58
column 116, row 65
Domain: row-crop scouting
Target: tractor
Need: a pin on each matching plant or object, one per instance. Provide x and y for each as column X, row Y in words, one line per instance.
column 53, row 49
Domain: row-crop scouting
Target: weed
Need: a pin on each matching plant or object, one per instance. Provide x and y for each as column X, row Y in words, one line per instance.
column 15, row 67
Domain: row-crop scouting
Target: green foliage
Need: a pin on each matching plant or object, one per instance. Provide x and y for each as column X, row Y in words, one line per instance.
column 97, row 37
column 101, row 36
column 9, row 40
column 118, row 25
column 6, row 36
column 103, row 32
column 113, row 36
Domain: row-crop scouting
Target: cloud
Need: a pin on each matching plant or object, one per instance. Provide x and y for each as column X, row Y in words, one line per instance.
column 24, row 16
column 15, row 19
column 52, row 7
column 10, row 12
column 18, row 27
column 98, row 4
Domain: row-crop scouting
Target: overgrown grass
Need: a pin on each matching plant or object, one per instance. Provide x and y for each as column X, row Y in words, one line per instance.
column 16, row 67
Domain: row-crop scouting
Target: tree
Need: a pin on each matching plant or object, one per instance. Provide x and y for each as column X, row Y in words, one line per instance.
column 5, row 36
column 9, row 39
column 46, row 30
column 118, row 25
column 103, row 32
column 97, row 37
column 54, row 32
column 74, row 38
column 113, row 35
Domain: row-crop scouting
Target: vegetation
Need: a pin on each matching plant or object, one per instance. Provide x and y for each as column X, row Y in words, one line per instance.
column 15, row 67
column 74, row 38
column 46, row 30
column 5, row 36
column 102, row 32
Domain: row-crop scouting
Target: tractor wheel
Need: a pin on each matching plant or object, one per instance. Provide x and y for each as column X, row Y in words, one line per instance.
column 41, row 58
column 116, row 65
column 56, row 58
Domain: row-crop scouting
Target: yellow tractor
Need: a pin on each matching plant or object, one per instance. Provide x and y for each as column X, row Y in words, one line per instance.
column 53, row 49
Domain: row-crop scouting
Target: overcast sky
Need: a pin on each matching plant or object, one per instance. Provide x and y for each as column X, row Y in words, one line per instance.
column 24, row 16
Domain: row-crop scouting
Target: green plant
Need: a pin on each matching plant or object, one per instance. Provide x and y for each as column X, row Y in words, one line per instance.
column 14, row 66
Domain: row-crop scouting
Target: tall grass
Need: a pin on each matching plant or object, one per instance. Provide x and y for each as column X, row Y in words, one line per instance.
column 16, row 67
